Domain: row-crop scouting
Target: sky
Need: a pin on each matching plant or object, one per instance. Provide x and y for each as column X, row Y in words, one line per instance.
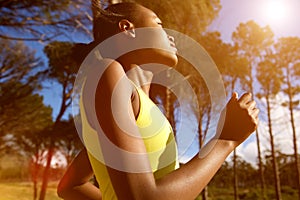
column 281, row 15
column 283, row 18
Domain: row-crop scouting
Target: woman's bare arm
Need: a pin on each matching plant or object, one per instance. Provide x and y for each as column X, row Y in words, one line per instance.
column 184, row 183
column 75, row 183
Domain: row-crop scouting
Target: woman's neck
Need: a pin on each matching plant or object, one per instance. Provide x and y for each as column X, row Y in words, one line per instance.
column 141, row 78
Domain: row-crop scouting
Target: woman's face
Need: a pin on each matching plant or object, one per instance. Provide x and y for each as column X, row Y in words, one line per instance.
column 166, row 51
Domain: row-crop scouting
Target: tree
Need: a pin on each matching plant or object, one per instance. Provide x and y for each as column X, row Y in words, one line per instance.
column 232, row 67
column 19, row 75
column 286, row 163
column 23, row 114
column 41, row 20
column 69, row 141
column 32, row 140
column 251, row 42
column 204, row 116
column 270, row 77
column 225, row 60
column 63, row 69
column 288, row 56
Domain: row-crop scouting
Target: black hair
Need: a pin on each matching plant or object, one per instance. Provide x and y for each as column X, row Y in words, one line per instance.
column 105, row 24
column 106, row 21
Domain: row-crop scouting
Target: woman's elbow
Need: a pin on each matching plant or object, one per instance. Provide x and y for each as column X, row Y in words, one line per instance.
column 61, row 189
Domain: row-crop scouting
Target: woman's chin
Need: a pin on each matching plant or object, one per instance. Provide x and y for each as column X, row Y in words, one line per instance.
column 172, row 60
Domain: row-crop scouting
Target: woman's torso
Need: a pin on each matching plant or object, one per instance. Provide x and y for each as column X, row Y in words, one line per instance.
column 157, row 135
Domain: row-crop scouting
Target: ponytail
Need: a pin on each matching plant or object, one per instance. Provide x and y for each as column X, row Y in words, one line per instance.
column 81, row 50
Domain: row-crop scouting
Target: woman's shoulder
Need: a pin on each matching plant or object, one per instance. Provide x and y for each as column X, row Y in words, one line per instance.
column 112, row 67
column 114, row 76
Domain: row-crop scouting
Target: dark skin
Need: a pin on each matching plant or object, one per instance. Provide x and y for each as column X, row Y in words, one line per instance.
column 75, row 182
column 187, row 181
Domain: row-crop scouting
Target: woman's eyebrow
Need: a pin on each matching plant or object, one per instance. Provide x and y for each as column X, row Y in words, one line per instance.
column 157, row 18
column 154, row 16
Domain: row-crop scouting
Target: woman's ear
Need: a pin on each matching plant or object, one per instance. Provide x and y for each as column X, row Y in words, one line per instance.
column 127, row 27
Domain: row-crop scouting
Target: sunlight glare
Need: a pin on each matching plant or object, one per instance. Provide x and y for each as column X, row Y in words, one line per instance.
column 276, row 11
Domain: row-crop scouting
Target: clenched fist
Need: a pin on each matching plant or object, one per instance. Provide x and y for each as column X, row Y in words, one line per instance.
column 239, row 119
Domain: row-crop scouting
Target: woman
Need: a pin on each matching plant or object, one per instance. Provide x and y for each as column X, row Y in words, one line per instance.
column 122, row 85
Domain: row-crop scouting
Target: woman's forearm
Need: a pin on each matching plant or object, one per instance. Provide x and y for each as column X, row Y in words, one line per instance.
column 86, row 191
column 191, row 178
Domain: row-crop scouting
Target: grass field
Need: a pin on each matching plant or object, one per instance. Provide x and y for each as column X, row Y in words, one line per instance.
column 24, row 191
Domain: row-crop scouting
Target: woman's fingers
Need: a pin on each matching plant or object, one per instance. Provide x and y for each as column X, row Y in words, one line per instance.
column 251, row 105
column 247, row 103
column 245, row 98
column 255, row 113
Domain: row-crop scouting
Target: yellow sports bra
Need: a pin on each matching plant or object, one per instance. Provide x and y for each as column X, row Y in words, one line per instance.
column 158, row 137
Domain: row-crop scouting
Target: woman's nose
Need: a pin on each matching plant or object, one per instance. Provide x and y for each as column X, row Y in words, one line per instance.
column 171, row 38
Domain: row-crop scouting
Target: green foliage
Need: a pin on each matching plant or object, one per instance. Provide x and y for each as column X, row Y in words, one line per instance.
column 24, row 117
column 252, row 39
column 246, row 191
column 232, row 66
column 61, row 63
column 287, row 59
column 25, row 111
column 251, row 42
column 63, row 69
column 248, row 178
column 67, row 139
column 21, row 108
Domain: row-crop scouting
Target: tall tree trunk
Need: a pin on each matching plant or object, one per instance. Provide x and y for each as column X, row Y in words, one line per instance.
column 297, row 167
column 235, row 177
column 46, row 171
column 66, row 101
column 34, row 177
column 260, row 164
column 260, row 168
column 204, row 193
column 274, row 162
column 34, row 189
column 291, row 108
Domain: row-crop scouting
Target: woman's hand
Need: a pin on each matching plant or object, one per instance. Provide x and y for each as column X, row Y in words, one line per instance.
column 239, row 119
